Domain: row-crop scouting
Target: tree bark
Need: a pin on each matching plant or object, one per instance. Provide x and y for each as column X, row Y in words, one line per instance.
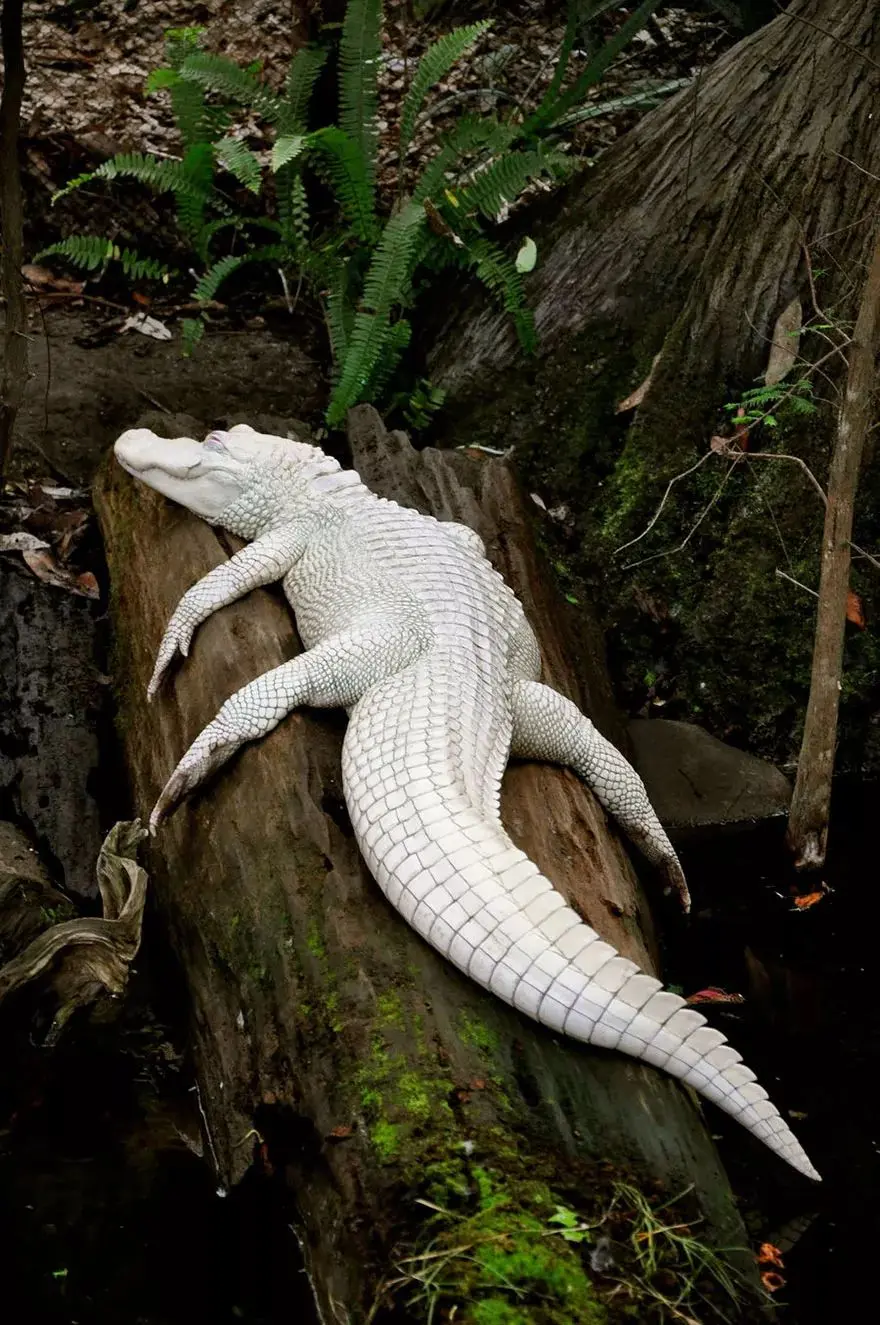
column 680, row 250
column 811, row 802
column 14, row 376
column 377, row 1074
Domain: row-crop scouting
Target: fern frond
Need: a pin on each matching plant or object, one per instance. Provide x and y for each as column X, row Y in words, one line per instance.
column 218, row 74
column 390, row 271
column 233, row 155
column 359, row 51
column 498, row 273
column 434, row 65
column 386, row 284
column 138, row 268
column 192, row 330
column 86, row 251
column 398, row 338
column 346, row 171
column 305, row 67
column 293, row 209
column 338, row 314
column 504, row 179
column 90, row 252
column 547, row 115
column 366, row 345
column 481, row 134
column 181, row 42
column 195, row 190
column 287, row 149
column 207, row 286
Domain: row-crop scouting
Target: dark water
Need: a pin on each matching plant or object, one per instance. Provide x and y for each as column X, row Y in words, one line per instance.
column 108, row 1218
column 811, row 1030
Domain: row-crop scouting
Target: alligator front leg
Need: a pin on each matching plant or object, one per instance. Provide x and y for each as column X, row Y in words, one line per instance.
column 333, row 674
column 548, row 726
column 262, row 562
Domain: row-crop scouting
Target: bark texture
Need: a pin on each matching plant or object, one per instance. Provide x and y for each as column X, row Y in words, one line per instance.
column 681, row 249
column 14, row 375
column 376, row 1073
column 811, row 803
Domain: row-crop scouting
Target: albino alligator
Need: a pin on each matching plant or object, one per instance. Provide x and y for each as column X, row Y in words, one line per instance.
column 407, row 625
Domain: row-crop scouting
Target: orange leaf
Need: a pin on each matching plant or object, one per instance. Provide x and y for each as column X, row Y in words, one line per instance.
column 341, row 1132
column 713, row 994
column 803, row 901
column 772, row 1281
column 46, row 568
column 770, row 1255
column 854, row 610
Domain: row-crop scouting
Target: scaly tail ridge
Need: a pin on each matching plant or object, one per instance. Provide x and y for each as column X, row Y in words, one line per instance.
column 456, row 877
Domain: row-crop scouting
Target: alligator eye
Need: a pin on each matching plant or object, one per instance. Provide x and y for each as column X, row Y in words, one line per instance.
column 215, row 441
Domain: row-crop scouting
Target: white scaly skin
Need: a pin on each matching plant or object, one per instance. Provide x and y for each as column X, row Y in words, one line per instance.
column 407, row 625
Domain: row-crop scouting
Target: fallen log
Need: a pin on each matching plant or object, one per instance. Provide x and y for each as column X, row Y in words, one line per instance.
column 375, row 1074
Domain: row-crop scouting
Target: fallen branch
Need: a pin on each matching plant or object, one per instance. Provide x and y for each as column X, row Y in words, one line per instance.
column 811, row 802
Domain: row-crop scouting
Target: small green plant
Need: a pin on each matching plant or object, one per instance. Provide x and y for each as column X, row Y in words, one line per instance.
column 756, row 406
column 366, row 268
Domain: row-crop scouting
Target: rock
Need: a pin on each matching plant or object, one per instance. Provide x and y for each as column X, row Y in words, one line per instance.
column 697, row 782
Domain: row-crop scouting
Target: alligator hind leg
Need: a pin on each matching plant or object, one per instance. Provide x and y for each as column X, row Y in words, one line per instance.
column 333, row 674
column 548, row 726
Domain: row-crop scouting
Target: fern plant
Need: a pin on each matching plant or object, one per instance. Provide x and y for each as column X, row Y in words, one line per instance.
column 365, row 268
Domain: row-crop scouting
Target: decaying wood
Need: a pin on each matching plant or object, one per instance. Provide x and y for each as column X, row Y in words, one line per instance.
column 811, row 802
column 318, row 1016
column 75, row 960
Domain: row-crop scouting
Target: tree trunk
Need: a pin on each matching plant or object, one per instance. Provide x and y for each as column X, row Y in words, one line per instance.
column 811, row 803
column 681, row 249
column 14, row 372
column 376, row 1074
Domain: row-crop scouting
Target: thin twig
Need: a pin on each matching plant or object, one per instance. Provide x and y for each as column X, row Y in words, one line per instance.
column 659, row 511
column 806, row 588
column 700, row 518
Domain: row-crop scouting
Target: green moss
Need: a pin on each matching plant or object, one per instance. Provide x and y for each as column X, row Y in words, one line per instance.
column 505, row 1265
column 389, row 1009
column 385, row 1136
column 476, row 1034
column 315, row 942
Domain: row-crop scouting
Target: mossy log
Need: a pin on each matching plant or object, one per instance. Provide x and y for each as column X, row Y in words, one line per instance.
column 376, row 1073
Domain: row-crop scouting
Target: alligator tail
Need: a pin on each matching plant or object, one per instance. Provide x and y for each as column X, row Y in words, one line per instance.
column 454, row 874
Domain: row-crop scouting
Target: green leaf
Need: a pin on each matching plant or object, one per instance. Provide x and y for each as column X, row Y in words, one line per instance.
column 285, row 150
column 305, row 67
column 549, row 114
column 192, row 331
column 346, row 170
column 160, row 79
column 527, row 256
column 434, row 65
column 218, row 74
column 359, row 52
column 233, row 155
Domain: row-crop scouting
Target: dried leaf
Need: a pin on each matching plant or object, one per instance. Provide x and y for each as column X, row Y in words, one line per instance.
column 341, row 1132
column 803, row 901
column 772, row 1281
column 854, row 610
column 769, row 1255
column 786, row 341
column 41, row 278
column 635, row 399
column 147, row 326
column 46, row 568
column 712, row 994
column 20, row 541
